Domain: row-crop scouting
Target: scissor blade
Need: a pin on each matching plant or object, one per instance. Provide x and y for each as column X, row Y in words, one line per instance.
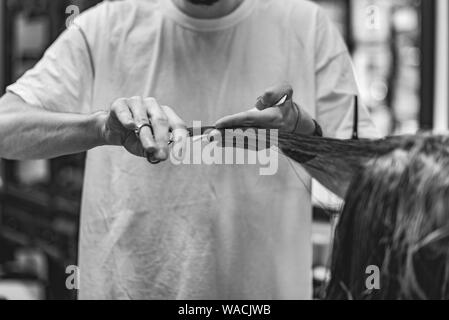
column 195, row 132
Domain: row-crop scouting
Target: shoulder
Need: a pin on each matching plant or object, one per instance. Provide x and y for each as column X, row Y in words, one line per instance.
column 312, row 25
column 306, row 15
column 303, row 17
column 109, row 23
column 110, row 14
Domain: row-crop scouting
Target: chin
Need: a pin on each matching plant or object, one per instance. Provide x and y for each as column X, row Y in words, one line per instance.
column 203, row 2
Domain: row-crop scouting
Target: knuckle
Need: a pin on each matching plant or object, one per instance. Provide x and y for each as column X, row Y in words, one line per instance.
column 161, row 120
column 123, row 112
column 167, row 109
column 151, row 100
column 134, row 101
column 268, row 94
column 118, row 104
column 287, row 86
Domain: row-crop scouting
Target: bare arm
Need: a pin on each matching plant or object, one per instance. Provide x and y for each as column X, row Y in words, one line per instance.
column 28, row 132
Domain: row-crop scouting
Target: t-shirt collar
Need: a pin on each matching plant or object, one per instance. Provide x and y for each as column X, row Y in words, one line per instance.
column 239, row 14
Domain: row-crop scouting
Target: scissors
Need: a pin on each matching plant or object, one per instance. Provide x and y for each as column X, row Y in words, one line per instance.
column 204, row 131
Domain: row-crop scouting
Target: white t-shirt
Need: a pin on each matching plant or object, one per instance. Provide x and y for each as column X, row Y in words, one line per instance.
column 197, row 231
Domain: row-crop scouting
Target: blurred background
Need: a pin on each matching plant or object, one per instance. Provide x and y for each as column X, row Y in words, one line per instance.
column 400, row 51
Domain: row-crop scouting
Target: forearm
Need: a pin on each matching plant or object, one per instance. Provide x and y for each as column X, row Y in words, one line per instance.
column 32, row 133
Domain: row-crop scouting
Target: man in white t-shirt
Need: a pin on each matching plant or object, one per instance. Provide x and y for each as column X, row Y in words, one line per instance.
column 189, row 231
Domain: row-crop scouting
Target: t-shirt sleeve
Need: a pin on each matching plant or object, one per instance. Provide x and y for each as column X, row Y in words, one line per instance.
column 336, row 85
column 62, row 80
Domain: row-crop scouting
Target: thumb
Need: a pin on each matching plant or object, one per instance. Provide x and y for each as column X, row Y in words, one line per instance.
column 274, row 95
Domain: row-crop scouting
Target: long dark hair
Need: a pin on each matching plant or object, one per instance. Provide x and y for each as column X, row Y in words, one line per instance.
column 396, row 214
column 396, row 218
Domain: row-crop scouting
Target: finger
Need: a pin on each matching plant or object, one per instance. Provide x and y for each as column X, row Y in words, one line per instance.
column 274, row 95
column 140, row 117
column 161, row 127
column 177, row 125
column 123, row 114
column 179, row 132
column 174, row 121
column 269, row 119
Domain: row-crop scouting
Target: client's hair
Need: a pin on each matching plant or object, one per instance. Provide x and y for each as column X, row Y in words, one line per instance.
column 396, row 217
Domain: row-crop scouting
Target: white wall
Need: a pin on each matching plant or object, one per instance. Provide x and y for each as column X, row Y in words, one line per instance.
column 442, row 67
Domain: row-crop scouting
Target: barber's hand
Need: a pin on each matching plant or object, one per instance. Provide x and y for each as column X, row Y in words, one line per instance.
column 128, row 115
column 275, row 109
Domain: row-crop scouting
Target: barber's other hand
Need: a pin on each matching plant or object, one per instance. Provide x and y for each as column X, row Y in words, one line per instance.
column 126, row 115
column 269, row 114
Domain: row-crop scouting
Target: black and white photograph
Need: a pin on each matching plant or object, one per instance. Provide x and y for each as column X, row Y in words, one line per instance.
column 234, row 152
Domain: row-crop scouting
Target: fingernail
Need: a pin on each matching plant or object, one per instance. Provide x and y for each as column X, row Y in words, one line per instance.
column 151, row 159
